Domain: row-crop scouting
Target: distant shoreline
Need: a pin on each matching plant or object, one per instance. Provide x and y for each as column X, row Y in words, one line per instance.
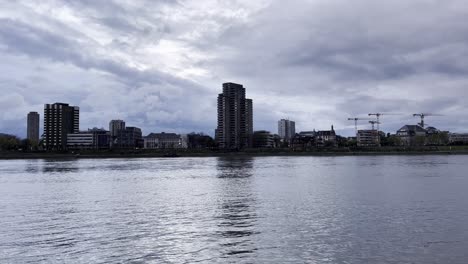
column 182, row 154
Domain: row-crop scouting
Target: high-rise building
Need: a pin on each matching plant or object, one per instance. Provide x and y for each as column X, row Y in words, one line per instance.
column 235, row 118
column 60, row 120
column 33, row 127
column 286, row 129
column 115, row 126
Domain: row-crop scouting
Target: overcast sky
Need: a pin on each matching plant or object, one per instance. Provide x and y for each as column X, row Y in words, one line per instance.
column 159, row 65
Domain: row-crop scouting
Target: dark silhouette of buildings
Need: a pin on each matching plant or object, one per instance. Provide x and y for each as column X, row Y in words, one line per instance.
column 60, row 120
column 263, row 139
column 199, row 141
column 129, row 138
column 33, row 127
column 235, row 118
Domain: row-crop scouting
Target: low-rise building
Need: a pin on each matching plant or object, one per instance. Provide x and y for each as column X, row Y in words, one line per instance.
column 303, row 141
column 91, row 139
column 367, row 138
column 326, row 137
column 412, row 135
column 165, row 141
column 458, row 138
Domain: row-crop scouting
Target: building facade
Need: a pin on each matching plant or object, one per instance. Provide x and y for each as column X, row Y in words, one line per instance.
column 129, row 138
column 59, row 120
column 367, row 138
column 411, row 135
column 235, row 118
column 165, row 141
column 286, row 129
column 458, row 138
column 33, row 127
column 92, row 139
column 115, row 126
column 326, row 137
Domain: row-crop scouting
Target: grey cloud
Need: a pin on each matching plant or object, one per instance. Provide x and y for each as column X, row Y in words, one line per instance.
column 317, row 62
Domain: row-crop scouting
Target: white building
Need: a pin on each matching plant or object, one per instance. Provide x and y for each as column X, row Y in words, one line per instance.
column 80, row 140
column 91, row 139
column 286, row 129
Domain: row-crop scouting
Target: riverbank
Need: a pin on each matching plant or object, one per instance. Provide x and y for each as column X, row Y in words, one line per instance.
column 249, row 153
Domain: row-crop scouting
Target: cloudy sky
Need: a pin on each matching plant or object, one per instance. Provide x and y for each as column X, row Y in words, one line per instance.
column 159, row 64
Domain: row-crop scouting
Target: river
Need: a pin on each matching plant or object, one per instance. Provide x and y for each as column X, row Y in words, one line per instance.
column 384, row 209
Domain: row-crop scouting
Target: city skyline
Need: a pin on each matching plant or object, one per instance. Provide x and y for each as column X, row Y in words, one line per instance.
column 158, row 64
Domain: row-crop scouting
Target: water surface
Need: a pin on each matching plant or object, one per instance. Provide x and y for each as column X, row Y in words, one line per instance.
column 386, row 209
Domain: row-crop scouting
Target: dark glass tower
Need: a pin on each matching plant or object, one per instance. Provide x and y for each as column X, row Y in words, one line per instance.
column 59, row 120
column 235, row 118
column 33, row 127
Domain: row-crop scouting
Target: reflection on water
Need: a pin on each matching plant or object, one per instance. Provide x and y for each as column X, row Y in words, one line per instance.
column 60, row 166
column 237, row 216
column 235, row 167
column 33, row 166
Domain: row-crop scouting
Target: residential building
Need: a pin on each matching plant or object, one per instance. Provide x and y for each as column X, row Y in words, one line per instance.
column 115, row 126
column 165, row 141
column 412, row 135
column 263, row 139
column 59, row 120
column 286, row 129
column 235, row 118
column 33, row 127
column 367, row 138
column 326, row 137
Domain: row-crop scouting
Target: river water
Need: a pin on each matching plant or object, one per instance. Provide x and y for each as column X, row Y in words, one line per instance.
column 385, row 209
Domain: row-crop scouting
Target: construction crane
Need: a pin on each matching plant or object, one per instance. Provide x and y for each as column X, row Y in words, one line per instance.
column 356, row 119
column 378, row 115
column 373, row 122
column 422, row 115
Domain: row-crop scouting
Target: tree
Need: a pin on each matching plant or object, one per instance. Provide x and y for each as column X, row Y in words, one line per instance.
column 9, row 142
column 26, row 144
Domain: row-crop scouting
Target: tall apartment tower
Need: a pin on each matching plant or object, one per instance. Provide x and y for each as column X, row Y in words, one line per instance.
column 235, row 118
column 33, row 127
column 286, row 129
column 59, row 120
column 115, row 128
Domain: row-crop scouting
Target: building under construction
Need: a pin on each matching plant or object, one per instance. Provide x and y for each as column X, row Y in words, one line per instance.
column 368, row 138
